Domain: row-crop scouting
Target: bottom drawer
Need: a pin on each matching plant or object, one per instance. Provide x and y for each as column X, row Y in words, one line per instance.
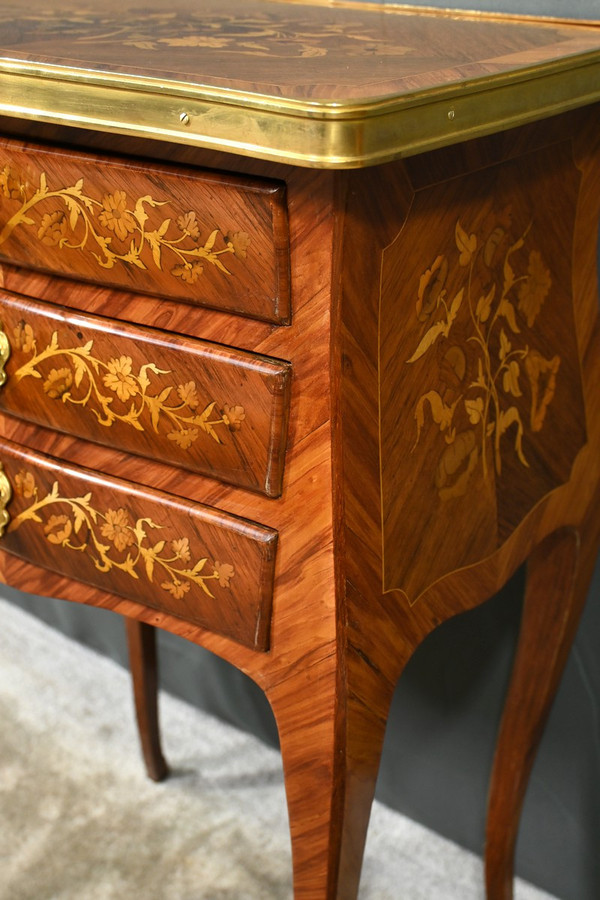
column 194, row 562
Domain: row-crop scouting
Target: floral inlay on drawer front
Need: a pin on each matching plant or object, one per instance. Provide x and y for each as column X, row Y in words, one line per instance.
column 208, row 239
column 110, row 534
column 208, row 408
column 181, row 239
column 182, row 558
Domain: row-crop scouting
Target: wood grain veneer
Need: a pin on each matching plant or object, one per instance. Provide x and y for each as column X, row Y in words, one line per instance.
column 192, row 561
column 195, row 404
column 203, row 237
column 263, row 48
column 431, row 298
column 355, row 638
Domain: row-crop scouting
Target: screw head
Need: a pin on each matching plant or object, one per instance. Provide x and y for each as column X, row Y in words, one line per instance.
column 184, row 118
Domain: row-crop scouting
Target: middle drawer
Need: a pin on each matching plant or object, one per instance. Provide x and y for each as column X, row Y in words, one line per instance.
column 201, row 406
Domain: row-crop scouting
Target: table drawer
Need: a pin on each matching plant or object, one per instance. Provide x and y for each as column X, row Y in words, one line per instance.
column 202, row 406
column 205, row 238
column 179, row 557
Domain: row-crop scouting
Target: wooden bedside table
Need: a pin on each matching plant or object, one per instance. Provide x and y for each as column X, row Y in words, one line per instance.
column 301, row 357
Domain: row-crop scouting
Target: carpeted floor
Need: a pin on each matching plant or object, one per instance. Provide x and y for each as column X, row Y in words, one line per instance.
column 80, row 821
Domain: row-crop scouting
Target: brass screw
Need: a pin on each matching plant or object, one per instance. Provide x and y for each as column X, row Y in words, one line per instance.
column 451, row 114
column 184, row 118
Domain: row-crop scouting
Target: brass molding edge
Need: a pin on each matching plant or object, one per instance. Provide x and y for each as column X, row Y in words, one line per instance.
column 5, row 498
column 312, row 134
column 4, row 354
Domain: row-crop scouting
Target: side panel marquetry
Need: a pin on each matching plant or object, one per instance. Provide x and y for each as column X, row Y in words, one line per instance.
column 207, row 408
column 205, row 238
column 481, row 405
column 182, row 558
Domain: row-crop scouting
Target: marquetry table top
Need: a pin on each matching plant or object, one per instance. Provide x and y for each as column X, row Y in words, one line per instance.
column 311, row 83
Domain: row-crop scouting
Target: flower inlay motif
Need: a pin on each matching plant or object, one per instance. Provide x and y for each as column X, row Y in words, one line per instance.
column 114, row 390
column 486, row 412
column 260, row 34
column 113, row 228
column 113, row 540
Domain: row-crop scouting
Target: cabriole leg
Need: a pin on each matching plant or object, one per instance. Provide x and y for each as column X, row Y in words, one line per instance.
column 558, row 577
column 331, row 740
column 141, row 641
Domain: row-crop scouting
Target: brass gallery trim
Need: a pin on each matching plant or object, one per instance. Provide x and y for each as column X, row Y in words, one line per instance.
column 319, row 134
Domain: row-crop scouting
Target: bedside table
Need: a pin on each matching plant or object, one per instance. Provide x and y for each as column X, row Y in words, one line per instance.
column 301, row 357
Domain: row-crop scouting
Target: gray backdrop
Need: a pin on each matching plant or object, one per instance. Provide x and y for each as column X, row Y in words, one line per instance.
column 446, row 709
column 572, row 9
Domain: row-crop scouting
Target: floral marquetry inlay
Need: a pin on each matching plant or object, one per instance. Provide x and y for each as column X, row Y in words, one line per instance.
column 114, row 390
column 114, row 541
column 485, row 414
column 481, row 402
column 172, row 555
column 263, row 33
column 114, row 227
column 208, row 408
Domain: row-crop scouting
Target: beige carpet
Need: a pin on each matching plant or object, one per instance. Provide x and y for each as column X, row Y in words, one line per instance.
column 79, row 820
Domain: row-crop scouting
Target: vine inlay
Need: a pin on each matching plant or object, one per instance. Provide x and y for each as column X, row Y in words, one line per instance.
column 112, row 541
column 487, row 409
column 81, row 222
column 115, row 392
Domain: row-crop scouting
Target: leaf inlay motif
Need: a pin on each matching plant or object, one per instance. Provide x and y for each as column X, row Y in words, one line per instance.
column 485, row 410
column 114, row 542
column 115, row 391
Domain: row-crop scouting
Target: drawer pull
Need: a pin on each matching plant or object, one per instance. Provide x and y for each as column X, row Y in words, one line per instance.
column 5, row 498
column 4, row 353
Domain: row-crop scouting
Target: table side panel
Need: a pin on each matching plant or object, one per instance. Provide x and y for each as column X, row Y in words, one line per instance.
column 480, row 341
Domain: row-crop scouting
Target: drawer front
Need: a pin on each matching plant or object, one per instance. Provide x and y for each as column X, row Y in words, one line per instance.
column 179, row 557
column 205, row 238
column 201, row 406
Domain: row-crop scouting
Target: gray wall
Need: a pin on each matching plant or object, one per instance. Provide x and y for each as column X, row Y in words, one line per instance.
column 571, row 9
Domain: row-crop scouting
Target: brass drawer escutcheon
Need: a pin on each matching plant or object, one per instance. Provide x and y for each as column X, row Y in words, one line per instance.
column 5, row 498
column 4, row 353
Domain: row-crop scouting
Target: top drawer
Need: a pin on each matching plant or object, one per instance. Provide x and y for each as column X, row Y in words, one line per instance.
column 202, row 237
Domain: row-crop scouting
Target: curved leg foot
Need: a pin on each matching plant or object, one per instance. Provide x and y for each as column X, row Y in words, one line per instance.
column 558, row 576
column 141, row 641
column 331, row 741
